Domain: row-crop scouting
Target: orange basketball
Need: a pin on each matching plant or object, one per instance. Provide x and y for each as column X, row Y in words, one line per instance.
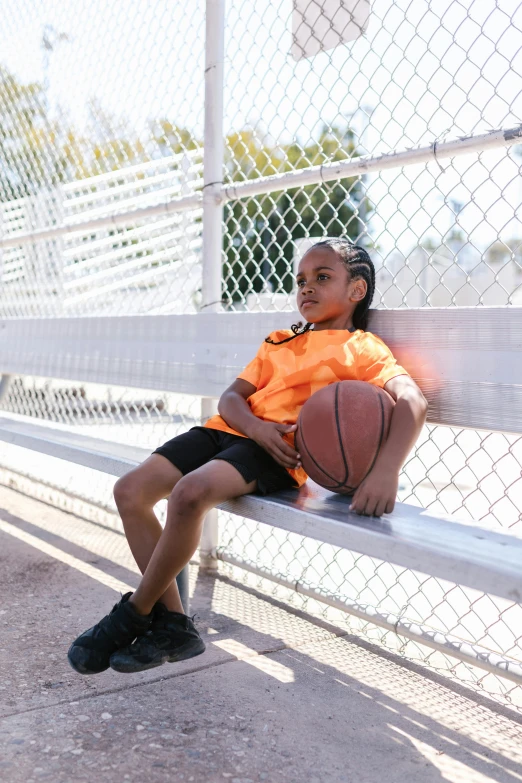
column 340, row 431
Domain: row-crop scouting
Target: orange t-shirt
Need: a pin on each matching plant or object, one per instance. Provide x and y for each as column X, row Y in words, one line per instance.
column 285, row 376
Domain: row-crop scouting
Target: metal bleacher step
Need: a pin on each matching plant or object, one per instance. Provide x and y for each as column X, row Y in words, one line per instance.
column 411, row 537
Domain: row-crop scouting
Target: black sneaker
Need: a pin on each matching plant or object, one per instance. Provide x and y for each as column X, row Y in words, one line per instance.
column 172, row 637
column 90, row 653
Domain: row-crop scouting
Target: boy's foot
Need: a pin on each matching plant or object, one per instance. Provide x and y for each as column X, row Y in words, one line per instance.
column 90, row 653
column 171, row 637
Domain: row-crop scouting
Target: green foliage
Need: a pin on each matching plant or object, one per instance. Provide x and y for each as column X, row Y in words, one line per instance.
column 27, row 158
column 172, row 139
column 260, row 233
column 37, row 152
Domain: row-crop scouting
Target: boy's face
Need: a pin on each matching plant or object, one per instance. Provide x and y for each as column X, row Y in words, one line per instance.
column 324, row 291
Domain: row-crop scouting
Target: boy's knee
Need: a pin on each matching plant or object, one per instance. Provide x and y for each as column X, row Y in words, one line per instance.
column 125, row 492
column 190, row 492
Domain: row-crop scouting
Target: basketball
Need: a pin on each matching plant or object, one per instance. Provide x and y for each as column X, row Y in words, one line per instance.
column 340, row 431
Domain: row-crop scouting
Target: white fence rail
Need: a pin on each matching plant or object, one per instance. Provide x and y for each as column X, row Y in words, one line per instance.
column 105, row 242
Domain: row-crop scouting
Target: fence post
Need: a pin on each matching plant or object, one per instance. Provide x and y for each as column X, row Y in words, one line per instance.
column 212, row 215
column 2, row 250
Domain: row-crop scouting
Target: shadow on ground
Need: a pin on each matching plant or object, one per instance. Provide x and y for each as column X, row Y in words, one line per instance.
column 278, row 696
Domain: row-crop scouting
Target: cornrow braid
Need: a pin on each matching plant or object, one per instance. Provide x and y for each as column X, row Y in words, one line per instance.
column 295, row 329
column 359, row 265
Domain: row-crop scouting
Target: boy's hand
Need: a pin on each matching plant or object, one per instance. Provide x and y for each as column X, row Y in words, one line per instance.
column 269, row 435
column 376, row 495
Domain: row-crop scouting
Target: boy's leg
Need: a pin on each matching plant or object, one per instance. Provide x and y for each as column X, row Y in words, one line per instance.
column 189, row 501
column 136, row 494
column 172, row 635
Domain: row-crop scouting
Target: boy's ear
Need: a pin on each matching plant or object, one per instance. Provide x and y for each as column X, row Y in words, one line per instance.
column 359, row 290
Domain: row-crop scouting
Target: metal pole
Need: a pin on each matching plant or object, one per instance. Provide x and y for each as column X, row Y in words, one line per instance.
column 213, row 156
column 5, row 385
column 182, row 581
column 209, row 537
column 212, row 216
column 329, row 172
column 129, row 218
column 215, row 194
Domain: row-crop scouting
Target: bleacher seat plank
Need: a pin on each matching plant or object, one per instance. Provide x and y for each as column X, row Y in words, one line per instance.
column 410, row 537
column 116, row 459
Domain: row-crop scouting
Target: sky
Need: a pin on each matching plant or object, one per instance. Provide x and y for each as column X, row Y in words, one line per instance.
column 423, row 70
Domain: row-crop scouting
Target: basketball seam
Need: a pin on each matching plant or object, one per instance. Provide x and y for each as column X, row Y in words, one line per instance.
column 339, row 435
column 301, row 435
column 339, row 484
column 380, row 437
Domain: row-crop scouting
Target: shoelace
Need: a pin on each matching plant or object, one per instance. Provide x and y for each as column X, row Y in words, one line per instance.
column 104, row 624
column 161, row 632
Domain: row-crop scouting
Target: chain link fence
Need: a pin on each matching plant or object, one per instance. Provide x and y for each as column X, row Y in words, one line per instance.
column 151, row 267
column 103, row 115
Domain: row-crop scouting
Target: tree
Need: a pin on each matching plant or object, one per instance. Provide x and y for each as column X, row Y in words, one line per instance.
column 28, row 157
column 39, row 152
column 171, row 139
column 260, row 232
column 259, row 239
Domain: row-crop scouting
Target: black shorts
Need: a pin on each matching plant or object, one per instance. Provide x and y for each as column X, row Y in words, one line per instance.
column 199, row 445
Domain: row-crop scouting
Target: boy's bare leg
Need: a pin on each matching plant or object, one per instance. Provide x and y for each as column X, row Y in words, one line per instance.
column 189, row 501
column 136, row 494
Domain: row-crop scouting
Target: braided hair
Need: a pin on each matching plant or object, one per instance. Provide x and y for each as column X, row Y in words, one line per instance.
column 359, row 265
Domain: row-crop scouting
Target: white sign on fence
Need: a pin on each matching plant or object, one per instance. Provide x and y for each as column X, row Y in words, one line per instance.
column 319, row 25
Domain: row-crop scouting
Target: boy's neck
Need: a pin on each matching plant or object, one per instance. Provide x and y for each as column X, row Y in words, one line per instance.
column 336, row 323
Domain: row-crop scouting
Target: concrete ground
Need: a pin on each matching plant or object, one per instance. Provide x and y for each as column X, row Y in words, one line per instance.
column 278, row 696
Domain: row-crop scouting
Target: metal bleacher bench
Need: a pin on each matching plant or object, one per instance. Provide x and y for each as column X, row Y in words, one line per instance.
column 467, row 362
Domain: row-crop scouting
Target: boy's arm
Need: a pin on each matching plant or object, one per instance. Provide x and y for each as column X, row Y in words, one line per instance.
column 409, row 415
column 377, row 493
column 235, row 410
